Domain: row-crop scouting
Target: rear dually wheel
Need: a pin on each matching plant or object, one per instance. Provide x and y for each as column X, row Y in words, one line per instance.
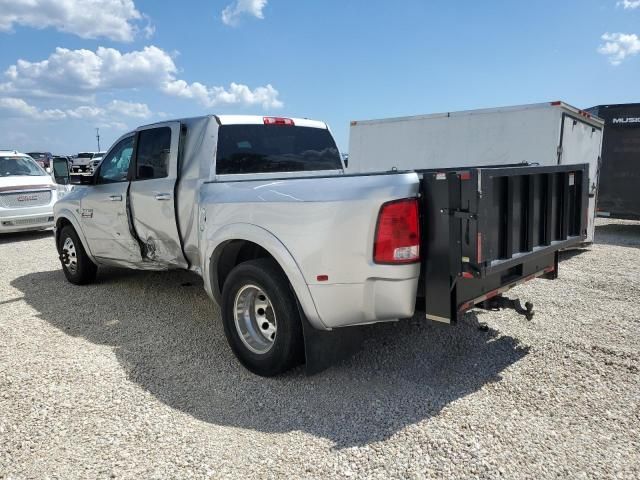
column 261, row 319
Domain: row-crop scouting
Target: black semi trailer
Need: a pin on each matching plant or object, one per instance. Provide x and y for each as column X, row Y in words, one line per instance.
column 619, row 191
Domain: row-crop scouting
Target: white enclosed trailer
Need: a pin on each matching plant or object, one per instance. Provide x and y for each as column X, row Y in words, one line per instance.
column 541, row 134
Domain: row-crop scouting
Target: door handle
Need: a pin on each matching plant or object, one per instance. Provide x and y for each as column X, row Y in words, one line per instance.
column 115, row 198
column 163, row 196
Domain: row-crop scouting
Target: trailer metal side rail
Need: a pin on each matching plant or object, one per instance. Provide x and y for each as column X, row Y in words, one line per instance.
column 526, row 211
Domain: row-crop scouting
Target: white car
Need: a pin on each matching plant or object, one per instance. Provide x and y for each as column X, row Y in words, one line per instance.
column 95, row 163
column 83, row 161
column 27, row 194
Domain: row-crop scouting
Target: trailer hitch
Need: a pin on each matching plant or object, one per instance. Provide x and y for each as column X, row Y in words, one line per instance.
column 500, row 303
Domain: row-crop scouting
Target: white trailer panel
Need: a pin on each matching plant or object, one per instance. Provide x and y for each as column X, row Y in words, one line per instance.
column 545, row 134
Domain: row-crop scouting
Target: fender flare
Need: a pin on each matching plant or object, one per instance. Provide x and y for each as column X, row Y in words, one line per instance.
column 268, row 241
column 68, row 215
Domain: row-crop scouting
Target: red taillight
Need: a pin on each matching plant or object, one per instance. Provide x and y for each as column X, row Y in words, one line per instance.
column 278, row 121
column 398, row 233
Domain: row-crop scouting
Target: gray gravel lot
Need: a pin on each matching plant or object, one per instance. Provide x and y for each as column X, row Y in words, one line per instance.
column 132, row 378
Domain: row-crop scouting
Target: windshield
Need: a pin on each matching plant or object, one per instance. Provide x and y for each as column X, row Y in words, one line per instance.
column 14, row 166
column 85, row 155
column 275, row 148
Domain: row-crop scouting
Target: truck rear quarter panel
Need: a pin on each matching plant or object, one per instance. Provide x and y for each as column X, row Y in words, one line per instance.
column 327, row 224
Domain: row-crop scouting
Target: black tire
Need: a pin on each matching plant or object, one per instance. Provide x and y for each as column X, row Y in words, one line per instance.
column 287, row 349
column 85, row 270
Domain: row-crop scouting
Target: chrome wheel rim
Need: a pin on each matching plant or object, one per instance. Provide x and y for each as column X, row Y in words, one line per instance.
column 69, row 257
column 255, row 319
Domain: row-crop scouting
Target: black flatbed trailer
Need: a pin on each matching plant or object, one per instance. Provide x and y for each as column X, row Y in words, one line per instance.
column 619, row 191
column 486, row 230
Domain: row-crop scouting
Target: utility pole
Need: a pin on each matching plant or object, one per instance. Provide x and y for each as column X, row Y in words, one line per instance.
column 98, row 137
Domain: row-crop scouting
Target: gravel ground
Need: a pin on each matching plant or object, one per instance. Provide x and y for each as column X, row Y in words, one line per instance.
column 132, row 378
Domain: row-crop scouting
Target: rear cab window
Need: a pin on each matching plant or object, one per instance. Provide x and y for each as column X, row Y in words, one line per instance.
column 152, row 158
column 246, row 149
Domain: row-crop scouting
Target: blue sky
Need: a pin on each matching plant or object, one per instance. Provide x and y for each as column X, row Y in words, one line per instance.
column 132, row 62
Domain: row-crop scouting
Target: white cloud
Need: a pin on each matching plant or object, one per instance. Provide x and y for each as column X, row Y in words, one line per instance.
column 236, row 94
column 116, row 109
column 19, row 108
column 82, row 73
column 113, row 19
column 233, row 12
column 629, row 4
column 619, row 46
column 85, row 112
column 129, row 109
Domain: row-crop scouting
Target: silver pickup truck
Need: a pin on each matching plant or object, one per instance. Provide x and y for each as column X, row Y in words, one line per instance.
column 292, row 249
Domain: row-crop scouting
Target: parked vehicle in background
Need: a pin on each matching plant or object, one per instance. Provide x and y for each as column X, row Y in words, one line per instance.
column 619, row 194
column 542, row 134
column 292, row 249
column 95, row 163
column 27, row 193
column 43, row 158
column 81, row 163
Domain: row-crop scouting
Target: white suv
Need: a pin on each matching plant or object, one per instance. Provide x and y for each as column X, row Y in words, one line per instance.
column 27, row 193
column 83, row 162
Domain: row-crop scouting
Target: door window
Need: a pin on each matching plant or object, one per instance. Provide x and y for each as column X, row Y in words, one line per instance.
column 152, row 159
column 115, row 166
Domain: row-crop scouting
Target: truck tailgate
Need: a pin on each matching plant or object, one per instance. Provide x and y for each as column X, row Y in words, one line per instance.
column 486, row 230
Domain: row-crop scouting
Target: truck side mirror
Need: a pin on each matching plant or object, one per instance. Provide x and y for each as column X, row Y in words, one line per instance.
column 61, row 171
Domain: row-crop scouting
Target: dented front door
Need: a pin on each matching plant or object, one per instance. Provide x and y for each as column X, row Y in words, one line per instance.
column 152, row 194
column 103, row 209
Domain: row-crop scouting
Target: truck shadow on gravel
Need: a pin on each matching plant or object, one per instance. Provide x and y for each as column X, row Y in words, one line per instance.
column 167, row 335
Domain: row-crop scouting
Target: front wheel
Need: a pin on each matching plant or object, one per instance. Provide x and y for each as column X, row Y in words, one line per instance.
column 261, row 319
column 76, row 264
